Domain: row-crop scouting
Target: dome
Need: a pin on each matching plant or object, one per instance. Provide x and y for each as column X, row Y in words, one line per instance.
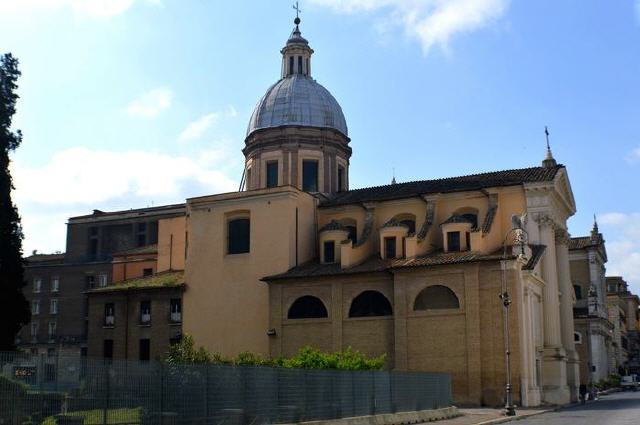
column 297, row 100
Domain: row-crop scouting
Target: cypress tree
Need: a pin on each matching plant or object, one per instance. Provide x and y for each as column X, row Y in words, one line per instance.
column 14, row 309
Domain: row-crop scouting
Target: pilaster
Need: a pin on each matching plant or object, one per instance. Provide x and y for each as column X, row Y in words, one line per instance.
column 566, row 311
column 554, row 371
column 400, row 324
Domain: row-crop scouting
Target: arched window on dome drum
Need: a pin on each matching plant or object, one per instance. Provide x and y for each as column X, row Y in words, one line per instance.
column 307, row 307
column 370, row 304
column 299, row 64
column 436, row 297
column 310, row 176
column 290, row 65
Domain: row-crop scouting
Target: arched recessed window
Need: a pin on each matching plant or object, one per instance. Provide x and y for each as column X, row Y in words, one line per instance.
column 291, row 65
column 307, row 307
column 239, row 239
column 370, row 303
column 578, row 290
column 577, row 337
column 436, row 297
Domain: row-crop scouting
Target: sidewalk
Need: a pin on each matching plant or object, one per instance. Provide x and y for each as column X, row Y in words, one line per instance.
column 486, row 416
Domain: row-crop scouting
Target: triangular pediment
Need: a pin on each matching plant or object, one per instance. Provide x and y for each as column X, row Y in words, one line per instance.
column 563, row 190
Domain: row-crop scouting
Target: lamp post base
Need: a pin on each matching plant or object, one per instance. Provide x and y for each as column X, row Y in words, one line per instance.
column 509, row 411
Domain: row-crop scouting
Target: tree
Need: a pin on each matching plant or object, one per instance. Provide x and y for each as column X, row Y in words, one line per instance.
column 14, row 309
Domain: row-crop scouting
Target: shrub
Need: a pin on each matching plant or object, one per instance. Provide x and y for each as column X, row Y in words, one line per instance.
column 307, row 358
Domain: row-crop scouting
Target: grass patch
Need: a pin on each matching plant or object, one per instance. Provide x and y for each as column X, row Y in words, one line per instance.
column 94, row 417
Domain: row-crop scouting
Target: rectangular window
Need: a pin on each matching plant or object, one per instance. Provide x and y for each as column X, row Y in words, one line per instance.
column 55, row 284
column 578, row 290
column 145, row 312
column 147, row 272
column 34, row 329
column 91, row 281
column 102, row 280
column 299, row 64
column 341, row 179
column 353, row 234
column 310, row 176
column 145, row 350
column 272, row 173
column 35, row 307
column 176, row 310
column 107, row 349
column 453, row 241
column 109, row 314
column 141, row 234
column 93, row 248
column 329, row 252
column 37, row 285
column 390, row 247
column 290, row 65
column 239, row 236
column 53, row 306
column 52, row 330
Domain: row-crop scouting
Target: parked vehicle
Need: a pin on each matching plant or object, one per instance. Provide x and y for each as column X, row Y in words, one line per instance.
column 630, row 383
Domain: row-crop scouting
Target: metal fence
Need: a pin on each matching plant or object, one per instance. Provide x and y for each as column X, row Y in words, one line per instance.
column 74, row 390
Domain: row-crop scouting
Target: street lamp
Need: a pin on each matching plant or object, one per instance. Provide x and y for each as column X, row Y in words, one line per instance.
column 519, row 238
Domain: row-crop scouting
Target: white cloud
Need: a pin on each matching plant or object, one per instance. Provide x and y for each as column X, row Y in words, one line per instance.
column 76, row 180
column 432, row 22
column 634, row 156
column 197, row 128
column 622, row 234
column 613, row 218
column 150, row 104
column 100, row 9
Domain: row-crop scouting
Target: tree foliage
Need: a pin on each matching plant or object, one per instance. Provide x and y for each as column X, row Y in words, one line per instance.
column 307, row 358
column 14, row 310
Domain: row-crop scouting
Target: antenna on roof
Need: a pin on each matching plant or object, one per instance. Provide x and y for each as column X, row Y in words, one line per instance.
column 393, row 180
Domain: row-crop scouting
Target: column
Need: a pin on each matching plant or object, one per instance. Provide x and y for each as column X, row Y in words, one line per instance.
column 566, row 312
column 554, row 368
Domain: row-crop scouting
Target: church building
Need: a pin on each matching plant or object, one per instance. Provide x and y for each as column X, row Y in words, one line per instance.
column 410, row 270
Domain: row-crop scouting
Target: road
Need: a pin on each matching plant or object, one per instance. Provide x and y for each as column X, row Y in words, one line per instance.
column 614, row 409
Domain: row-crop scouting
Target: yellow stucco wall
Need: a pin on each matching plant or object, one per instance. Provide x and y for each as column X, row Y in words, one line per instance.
column 226, row 306
column 171, row 243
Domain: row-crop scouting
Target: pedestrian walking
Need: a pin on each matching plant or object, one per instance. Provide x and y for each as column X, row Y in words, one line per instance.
column 583, row 393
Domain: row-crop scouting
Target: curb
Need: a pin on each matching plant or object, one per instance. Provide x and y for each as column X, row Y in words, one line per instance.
column 514, row 418
column 400, row 418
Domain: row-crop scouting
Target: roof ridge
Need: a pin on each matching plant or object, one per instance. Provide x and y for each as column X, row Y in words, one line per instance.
column 442, row 179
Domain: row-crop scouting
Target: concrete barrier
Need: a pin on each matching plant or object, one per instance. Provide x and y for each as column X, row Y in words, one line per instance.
column 401, row 418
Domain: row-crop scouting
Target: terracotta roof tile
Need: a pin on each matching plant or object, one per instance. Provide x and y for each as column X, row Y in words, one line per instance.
column 446, row 185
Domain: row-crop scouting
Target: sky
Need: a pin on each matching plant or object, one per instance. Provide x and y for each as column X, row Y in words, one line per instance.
column 133, row 103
